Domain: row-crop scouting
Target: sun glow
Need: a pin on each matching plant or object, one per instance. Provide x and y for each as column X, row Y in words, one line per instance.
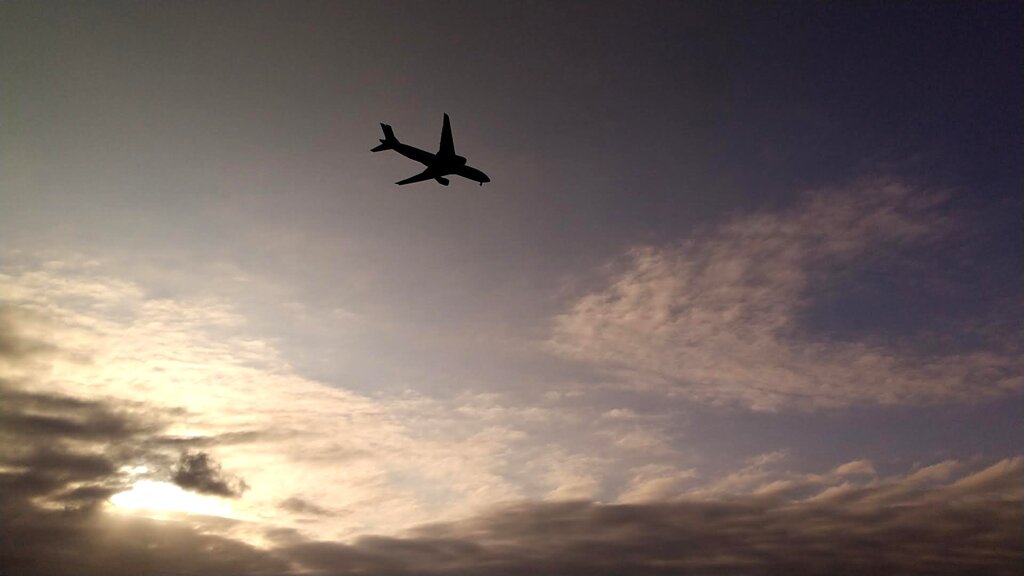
column 149, row 495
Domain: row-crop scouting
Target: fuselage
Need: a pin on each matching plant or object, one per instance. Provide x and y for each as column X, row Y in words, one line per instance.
column 441, row 165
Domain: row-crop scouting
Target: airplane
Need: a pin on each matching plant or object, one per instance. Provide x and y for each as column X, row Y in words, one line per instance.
column 444, row 163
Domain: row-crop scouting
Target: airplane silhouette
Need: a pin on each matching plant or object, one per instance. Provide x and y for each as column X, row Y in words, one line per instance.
column 439, row 165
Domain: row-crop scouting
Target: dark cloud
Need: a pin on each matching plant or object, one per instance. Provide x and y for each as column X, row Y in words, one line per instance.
column 947, row 535
column 200, row 473
column 41, row 415
column 224, row 439
column 301, row 506
column 87, row 493
column 58, row 543
column 60, row 459
column 53, row 446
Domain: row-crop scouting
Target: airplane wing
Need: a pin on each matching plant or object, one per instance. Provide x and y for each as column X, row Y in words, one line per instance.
column 447, row 145
column 427, row 174
column 472, row 174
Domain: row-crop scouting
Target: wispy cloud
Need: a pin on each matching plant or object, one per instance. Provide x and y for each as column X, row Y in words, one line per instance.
column 717, row 318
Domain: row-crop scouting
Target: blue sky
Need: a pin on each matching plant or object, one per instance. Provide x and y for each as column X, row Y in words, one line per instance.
column 762, row 259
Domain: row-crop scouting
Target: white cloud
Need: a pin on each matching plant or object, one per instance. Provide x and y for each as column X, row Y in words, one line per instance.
column 759, row 472
column 643, row 440
column 856, row 467
column 573, row 477
column 716, row 319
column 935, row 472
column 654, row 483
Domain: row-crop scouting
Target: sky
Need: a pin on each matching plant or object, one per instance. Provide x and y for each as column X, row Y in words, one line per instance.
column 743, row 295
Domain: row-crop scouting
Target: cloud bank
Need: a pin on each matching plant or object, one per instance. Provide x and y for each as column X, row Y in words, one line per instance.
column 943, row 519
column 63, row 457
column 717, row 318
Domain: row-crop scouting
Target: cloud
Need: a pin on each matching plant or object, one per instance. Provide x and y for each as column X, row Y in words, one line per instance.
column 61, row 459
column 205, row 386
column 106, row 391
column 718, row 318
column 571, row 477
column 300, row 506
column 939, row 531
column 199, row 472
column 654, row 483
column 957, row 524
column 63, row 543
column 13, row 345
column 857, row 467
column 62, row 456
column 60, row 450
column 759, row 472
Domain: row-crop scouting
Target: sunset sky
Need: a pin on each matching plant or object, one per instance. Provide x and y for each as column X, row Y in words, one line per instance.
column 743, row 296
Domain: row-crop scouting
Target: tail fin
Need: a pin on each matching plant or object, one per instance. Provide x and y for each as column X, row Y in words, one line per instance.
column 389, row 140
